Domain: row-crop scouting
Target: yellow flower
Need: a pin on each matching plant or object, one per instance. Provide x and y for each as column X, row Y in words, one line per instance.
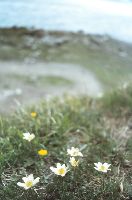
column 74, row 162
column 33, row 114
column 42, row 152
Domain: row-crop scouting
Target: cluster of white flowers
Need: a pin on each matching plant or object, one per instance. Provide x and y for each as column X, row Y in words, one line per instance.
column 28, row 136
column 60, row 169
column 74, row 152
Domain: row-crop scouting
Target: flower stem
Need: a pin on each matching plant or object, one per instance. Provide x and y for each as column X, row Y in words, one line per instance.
column 103, row 185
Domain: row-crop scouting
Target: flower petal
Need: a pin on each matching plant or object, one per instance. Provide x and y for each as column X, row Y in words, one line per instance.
column 96, row 168
column 53, row 169
column 58, row 165
column 21, row 184
column 106, row 165
column 30, row 177
column 80, row 154
column 24, row 179
column 36, row 181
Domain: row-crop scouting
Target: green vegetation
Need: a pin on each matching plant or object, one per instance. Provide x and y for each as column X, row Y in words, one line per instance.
column 11, row 79
column 97, row 127
column 108, row 59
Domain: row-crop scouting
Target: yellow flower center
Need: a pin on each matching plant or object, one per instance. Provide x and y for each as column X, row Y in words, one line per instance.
column 61, row 171
column 33, row 114
column 102, row 168
column 42, row 152
column 29, row 183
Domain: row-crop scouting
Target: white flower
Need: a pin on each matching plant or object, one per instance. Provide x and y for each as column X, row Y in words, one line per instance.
column 74, row 152
column 102, row 167
column 60, row 169
column 28, row 136
column 73, row 162
column 29, row 182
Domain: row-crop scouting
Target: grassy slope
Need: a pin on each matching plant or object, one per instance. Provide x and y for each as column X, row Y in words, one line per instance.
column 95, row 126
column 108, row 59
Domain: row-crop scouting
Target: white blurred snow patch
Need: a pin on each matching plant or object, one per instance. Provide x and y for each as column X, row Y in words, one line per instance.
column 100, row 95
column 8, row 93
column 125, row 85
column 18, row 91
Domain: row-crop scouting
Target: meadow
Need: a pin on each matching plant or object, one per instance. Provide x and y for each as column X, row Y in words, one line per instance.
column 38, row 134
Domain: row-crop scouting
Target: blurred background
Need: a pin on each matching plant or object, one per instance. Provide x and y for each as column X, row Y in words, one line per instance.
column 56, row 47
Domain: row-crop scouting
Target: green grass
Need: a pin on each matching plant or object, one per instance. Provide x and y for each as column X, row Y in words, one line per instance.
column 41, row 80
column 80, row 122
column 34, row 81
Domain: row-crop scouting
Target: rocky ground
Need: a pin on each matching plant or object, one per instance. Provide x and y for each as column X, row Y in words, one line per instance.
column 36, row 64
